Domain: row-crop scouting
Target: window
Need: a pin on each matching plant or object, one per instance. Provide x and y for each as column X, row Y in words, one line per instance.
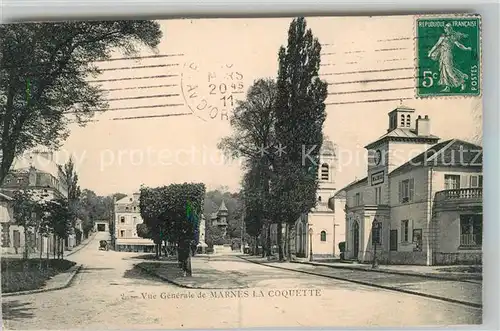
column 471, row 230
column 408, row 120
column 451, row 182
column 126, row 208
column 378, row 195
column 122, row 233
column 122, row 219
column 405, row 231
column 406, row 190
column 319, row 198
column 135, row 219
column 323, row 235
column 377, row 234
column 17, row 238
column 325, row 171
column 402, row 120
column 135, row 208
column 357, row 199
column 476, row 181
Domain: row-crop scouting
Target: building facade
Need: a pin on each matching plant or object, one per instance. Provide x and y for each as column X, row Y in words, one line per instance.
column 127, row 216
column 322, row 229
column 421, row 202
column 38, row 172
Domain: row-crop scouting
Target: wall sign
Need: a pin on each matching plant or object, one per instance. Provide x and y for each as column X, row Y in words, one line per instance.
column 377, row 178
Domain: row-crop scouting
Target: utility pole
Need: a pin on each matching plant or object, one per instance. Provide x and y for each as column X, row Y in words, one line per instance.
column 334, row 226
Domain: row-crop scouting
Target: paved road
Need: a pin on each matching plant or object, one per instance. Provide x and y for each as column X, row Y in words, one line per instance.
column 469, row 292
column 102, row 297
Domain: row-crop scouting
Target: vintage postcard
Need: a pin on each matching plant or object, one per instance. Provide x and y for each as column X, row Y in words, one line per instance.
column 237, row 173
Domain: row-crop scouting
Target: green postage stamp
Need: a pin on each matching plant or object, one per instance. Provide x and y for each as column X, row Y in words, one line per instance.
column 448, row 56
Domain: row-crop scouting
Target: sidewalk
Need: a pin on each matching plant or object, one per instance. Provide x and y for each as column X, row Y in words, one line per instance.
column 436, row 272
column 467, row 293
column 204, row 276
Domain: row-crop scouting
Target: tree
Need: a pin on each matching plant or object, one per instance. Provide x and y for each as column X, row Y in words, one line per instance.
column 55, row 60
column 25, row 209
column 214, row 236
column 300, row 114
column 254, row 139
column 59, row 216
column 71, row 181
column 164, row 210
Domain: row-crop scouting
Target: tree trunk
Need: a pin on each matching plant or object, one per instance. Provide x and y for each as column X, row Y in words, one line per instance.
column 159, row 250
column 291, row 243
column 63, row 241
column 26, row 243
column 279, row 236
column 268, row 241
column 156, row 251
column 48, row 250
column 54, row 245
column 189, row 271
column 256, row 246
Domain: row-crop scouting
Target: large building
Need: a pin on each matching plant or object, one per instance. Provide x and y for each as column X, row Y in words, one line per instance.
column 421, row 202
column 38, row 172
column 127, row 216
column 323, row 227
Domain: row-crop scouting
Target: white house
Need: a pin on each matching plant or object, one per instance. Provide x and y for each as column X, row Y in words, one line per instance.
column 421, row 202
column 127, row 216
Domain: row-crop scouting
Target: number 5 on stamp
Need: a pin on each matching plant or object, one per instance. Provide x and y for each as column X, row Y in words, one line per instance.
column 448, row 56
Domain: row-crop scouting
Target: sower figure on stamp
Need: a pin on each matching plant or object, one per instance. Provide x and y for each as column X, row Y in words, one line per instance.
column 449, row 75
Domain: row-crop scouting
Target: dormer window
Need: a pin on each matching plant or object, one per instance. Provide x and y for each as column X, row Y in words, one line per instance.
column 402, row 120
column 408, row 120
column 319, row 198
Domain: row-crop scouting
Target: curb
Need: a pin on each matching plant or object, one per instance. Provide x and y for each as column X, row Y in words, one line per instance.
column 81, row 246
column 173, row 282
column 404, row 273
column 67, row 284
column 431, row 296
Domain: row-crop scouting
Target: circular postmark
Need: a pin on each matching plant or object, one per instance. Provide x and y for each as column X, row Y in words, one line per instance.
column 211, row 94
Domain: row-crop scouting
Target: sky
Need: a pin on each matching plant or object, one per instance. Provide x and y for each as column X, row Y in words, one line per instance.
column 359, row 54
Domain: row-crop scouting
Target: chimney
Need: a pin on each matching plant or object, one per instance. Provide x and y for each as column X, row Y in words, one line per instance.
column 423, row 126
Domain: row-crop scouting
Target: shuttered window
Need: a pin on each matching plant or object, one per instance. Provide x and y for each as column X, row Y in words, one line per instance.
column 406, row 190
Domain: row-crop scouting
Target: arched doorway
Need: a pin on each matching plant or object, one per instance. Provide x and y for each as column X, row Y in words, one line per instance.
column 355, row 239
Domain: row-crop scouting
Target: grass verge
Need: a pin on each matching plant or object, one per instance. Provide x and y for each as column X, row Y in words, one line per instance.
column 31, row 274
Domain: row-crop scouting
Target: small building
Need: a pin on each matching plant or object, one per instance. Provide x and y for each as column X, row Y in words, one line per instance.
column 127, row 217
column 421, row 202
column 219, row 218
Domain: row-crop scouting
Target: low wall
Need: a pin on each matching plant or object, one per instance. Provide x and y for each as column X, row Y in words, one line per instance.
column 475, row 258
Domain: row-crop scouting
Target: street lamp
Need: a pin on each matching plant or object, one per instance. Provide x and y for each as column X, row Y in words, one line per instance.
column 310, row 244
column 375, row 240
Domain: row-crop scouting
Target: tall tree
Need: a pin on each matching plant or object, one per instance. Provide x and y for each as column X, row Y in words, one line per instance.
column 300, row 114
column 43, row 77
column 254, row 138
column 71, row 181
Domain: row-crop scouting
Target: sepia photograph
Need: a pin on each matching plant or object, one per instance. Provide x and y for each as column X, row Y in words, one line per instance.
column 242, row 172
